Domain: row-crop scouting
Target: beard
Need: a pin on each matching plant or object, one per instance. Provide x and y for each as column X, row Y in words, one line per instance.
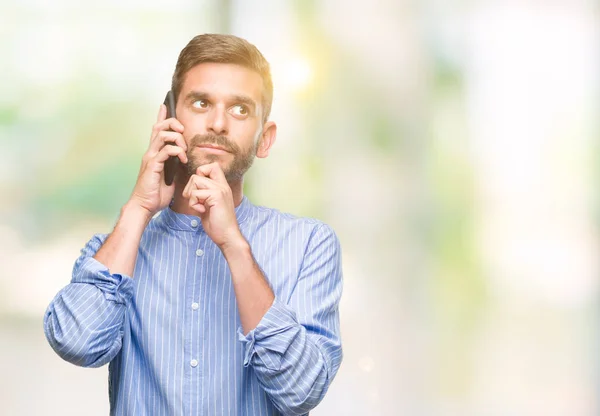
column 235, row 170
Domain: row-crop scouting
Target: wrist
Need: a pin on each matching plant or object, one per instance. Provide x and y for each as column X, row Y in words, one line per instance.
column 135, row 213
column 235, row 247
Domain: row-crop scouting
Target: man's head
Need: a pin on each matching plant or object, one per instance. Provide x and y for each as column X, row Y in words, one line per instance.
column 223, row 89
column 226, row 49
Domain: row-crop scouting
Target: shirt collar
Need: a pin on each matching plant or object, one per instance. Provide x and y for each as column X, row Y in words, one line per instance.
column 185, row 222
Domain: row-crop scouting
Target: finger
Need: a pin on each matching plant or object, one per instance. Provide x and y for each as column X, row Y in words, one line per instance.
column 162, row 113
column 199, row 197
column 165, row 125
column 213, row 171
column 198, row 182
column 187, row 189
column 160, row 117
column 189, row 186
column 156, row 163
column 168, row 151
column 168, row 137
column 201, row 182
column 169, row 124
column 199, row 208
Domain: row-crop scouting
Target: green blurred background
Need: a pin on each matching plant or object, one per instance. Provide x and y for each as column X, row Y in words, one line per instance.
column 451, row 144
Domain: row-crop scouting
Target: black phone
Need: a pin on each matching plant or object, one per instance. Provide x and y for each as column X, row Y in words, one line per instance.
column 172, row 163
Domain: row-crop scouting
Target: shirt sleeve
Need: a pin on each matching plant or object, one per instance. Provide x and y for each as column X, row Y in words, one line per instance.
column 296, row 350
column 84, row 322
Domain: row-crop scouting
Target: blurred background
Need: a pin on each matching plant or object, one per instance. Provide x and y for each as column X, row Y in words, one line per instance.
column 453, row 146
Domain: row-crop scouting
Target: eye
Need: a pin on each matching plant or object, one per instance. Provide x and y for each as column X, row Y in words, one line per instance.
column 240, row 110
column 200, row 104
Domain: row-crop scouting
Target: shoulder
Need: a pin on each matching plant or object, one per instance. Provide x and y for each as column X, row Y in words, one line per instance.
column 290, row 225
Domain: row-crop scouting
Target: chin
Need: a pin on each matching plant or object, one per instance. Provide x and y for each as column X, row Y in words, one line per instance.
column 194, row 164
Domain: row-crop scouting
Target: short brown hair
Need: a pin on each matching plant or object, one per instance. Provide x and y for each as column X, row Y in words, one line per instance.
column 226, row 49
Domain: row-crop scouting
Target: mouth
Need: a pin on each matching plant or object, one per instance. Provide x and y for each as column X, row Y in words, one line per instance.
column 213, row 148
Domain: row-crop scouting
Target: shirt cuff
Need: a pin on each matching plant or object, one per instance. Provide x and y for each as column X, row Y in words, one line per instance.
column 115, row 287
column 268, row 342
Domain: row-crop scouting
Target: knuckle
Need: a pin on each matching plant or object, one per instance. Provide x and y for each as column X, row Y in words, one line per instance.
column 147, row 157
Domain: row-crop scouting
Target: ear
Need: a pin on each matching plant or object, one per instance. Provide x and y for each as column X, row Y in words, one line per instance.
column 267, row 140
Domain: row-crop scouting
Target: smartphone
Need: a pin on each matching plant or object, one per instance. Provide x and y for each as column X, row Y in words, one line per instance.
column 172, row 163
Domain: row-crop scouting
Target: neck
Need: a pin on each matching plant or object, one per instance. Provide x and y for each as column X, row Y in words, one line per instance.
column 181, row 204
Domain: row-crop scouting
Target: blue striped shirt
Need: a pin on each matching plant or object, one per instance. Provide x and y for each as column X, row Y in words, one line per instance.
column 172, row 334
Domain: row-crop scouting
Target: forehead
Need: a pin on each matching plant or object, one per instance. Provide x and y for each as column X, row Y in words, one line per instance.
column 221, row 80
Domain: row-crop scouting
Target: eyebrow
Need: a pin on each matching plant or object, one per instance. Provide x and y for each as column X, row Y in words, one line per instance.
column 238, row 98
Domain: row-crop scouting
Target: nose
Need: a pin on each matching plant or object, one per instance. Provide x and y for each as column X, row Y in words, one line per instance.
column 217, row 121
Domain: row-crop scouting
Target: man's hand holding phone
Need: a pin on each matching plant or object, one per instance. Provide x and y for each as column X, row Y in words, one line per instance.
column 151, row 192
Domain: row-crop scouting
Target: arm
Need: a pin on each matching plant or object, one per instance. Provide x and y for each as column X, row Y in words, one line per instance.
column 119, row 252
column 149, row 196
column 296, row 348
column 84, row 322
column 210, row 195
column 253, row 294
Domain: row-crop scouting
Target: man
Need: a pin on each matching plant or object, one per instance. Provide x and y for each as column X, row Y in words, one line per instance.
column 215, row 306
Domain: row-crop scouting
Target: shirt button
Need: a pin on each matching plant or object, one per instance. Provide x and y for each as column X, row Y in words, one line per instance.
column 194, row 363
column 199, row 252
column 195, row 306
column 194, row 223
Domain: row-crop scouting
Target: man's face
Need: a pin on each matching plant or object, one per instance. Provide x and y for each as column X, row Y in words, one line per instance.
column 220, row 107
